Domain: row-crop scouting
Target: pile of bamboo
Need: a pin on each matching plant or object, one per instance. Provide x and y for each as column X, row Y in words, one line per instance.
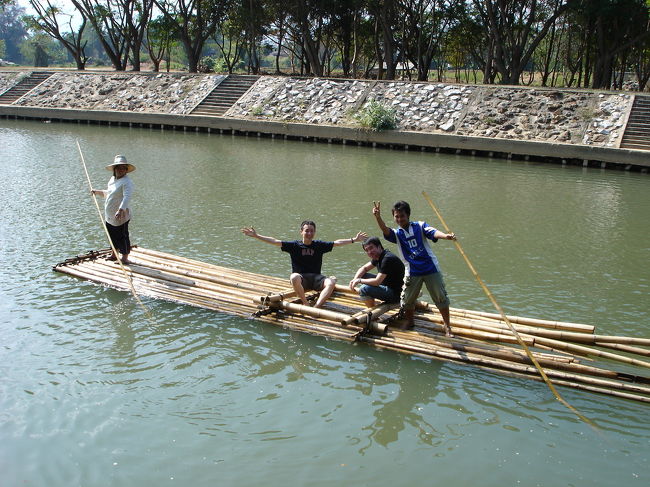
column 571, row 354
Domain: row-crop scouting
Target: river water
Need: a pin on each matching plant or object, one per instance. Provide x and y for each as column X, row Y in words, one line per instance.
column 93, row 393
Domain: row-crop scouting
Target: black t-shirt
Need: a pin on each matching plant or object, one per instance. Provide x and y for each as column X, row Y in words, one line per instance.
column 307, row 259
column 391, row 265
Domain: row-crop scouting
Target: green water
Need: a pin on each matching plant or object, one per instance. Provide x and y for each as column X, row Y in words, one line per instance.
column 93, row 394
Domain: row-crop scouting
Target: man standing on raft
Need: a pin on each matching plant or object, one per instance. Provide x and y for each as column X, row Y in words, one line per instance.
column 117, row 207
column 307, row 260
column 420, row 262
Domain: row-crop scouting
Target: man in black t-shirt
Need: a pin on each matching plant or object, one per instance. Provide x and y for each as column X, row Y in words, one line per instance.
column 307, row 260
column 387, row 284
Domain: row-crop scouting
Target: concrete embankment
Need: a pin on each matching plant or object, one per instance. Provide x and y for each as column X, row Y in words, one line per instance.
column 566, row 126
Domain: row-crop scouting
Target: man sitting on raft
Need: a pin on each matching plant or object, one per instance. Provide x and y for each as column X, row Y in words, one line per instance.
column 386, row 285
column 307, row 259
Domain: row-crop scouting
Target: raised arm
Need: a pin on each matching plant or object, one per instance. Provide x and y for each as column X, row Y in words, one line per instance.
column 376, row 211
column 100, row 192
column 359, row 237
column 251, row 232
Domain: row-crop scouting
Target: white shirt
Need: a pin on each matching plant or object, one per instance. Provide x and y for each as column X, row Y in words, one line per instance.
column 118, row 197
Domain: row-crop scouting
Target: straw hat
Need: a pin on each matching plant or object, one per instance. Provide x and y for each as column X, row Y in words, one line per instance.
column 120, row 161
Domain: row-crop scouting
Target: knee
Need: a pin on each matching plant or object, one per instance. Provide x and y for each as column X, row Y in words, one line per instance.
column 363, row 290
column 330, row 281
column 295, row 278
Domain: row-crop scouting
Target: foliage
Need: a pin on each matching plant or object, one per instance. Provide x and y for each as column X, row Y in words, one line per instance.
column 12, row 31
column 41, row 50
column 581, row 43
column 376, row 116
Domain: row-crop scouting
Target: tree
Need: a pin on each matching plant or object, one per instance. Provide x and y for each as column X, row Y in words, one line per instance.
column 47, row 20
column 514, row 29
column 619, row 26
column 307, row 22
column 42, row 50
column 384, row 13
column 135, row 16
column 12, row 31
column 229, row 38
column 425, row 23
column 159, row 37
column 277, row 31
column 196, row 22
column 104, row 18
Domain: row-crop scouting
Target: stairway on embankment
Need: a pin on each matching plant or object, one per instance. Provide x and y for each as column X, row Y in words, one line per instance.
column 637, row 130
column 225, row 94
column 24, row 86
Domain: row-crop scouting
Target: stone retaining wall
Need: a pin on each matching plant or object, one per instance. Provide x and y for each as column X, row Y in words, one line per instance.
column 577, row 117
column 560, row 116
column 161, row 93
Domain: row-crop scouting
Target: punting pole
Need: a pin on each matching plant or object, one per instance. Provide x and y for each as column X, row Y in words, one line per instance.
column 504, row 317
column 110, row 242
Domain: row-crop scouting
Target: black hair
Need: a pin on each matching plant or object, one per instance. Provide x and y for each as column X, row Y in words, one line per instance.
column 402, row 206
column 372, row 240
column 307, row 222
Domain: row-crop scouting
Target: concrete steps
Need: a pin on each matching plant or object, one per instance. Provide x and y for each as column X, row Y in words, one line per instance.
column 225, row 94
column 24, row 86
column 637, row 130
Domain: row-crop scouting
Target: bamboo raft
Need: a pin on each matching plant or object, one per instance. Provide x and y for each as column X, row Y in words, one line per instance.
column 571, row 354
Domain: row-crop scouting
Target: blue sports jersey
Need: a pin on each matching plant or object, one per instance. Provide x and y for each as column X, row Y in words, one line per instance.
column 414, row 249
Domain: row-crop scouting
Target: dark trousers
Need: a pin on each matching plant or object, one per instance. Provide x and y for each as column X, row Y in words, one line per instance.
column 120, row 237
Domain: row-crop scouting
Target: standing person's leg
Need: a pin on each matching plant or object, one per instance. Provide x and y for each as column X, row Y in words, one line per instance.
column 436, row 287
column 126, row 243
column 115, row 235
column 410, row 292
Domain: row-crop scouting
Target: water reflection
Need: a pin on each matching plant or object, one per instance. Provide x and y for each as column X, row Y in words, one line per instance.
column 402, row 406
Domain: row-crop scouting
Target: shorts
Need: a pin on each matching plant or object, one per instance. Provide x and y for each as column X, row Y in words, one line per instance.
column 313, row 282
column 435, row 286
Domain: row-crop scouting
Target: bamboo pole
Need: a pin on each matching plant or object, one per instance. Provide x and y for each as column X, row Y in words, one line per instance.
column 110, row 242
column 505, row 318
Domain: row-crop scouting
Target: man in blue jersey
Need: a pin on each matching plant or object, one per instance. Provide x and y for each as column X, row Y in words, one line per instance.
column 421, row 264
column 307, row 260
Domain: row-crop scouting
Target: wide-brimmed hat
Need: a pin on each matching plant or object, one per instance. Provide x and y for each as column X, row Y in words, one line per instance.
column 120, row 161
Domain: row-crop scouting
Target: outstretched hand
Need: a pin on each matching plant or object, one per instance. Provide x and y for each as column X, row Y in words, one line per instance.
column 361, row 236
column 249, row 232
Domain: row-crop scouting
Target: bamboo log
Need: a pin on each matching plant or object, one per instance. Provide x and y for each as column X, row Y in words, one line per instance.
column 375, row 312
column 560, row 325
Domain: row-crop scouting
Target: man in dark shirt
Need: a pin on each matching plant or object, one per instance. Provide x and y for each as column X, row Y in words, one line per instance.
column 387, row 284
column 307, row 260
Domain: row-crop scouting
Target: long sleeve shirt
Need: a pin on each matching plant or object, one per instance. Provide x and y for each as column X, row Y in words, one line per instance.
column 118, row 197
